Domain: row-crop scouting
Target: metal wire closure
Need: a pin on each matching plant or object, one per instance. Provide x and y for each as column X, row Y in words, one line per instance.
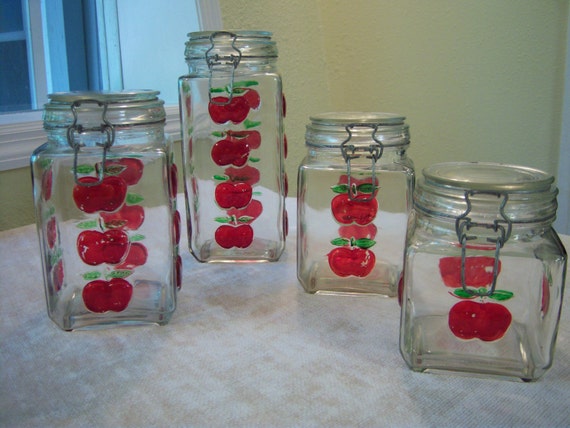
column 349, row 152
column 216, row 60
column 105, row 128
column 463, row 224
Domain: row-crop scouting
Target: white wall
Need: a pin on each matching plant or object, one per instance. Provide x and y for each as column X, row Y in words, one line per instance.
column 152, row 36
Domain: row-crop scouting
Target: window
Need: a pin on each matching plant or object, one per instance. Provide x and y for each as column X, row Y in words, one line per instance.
column 62, row 45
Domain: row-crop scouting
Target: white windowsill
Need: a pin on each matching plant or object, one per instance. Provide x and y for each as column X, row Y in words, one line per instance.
column 19, row 139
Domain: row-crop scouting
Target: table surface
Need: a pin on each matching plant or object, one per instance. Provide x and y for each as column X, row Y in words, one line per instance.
column 246, row 347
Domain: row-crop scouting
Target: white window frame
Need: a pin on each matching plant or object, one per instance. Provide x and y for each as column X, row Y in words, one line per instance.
column 22, row 133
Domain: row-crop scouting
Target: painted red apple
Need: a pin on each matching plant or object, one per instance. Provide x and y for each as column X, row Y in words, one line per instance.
column 137, row 256
column 103, row 296
column 246, row 174
column 545, row 299
column 485, row 321
column 247, row 214
column 129, row 169
column 176, row 227
column 230, row 152
column 478, row 271
column 188, row 104
column 347, row 211
column 47, row 184
column 357, row 232
column 285, row 146
column 173, row 180
column 128, row 217
column 178, row 272
column 108, row 195
column 223, row 110
column 96, row 247
column 234, row 236
column 284, row 101
column 51, row 232
column 347, row 261
column 233, row 195
column 252, row 98
column 285, row 222
column 252, row 138
column 58, row 275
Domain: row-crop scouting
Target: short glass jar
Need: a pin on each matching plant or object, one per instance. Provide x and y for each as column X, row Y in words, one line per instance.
column 484, row 271
column 354, row 195
column 105, row 195
column 232, row 110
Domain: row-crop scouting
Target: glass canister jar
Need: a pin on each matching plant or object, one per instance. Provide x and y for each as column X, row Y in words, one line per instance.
column 484, row 271
column 104, row 188
column 231, row 105
column 354, row 195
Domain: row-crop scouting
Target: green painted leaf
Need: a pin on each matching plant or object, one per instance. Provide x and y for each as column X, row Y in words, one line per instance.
column 55, row 256
column 221, row 177
column 223, row 219
column 88, row 276
column 236, row 90
column 46, row 163
column 244, row 219
column 367, row 188
column 340, row 188
column 254, row 160
column 460, row 292
column 218, row 90
column 119, row 273
column 137, row 237
column 88, row 224
column 256, row 193
column 501, row 295
column 218, row 134
column 250, row 124
column 85, row 169
column 246, row 83
column 364, row 243
column 134, row 198
column 340, row 242
column 114, row 169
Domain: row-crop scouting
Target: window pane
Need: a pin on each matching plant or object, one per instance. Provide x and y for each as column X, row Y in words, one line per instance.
column 11, row 16
column 14, row 79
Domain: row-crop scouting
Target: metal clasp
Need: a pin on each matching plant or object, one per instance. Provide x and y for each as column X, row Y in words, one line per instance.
column 105, row 128
column 216, row 61
column 463, row 224
column 348, row 151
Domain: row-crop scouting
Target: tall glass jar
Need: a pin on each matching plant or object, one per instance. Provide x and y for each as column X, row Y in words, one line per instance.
column 484, row 271
column 231, row 105
column 104, row 188
column 354, row 195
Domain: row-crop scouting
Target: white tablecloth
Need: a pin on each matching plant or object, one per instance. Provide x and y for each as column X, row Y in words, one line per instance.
column 246, row 347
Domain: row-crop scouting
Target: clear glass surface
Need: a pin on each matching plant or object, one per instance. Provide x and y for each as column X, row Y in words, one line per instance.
column 107, row 225
column 455, row 315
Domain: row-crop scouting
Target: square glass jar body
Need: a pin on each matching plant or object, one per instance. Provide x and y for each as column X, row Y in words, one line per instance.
column 442, row 328
column 352, row 245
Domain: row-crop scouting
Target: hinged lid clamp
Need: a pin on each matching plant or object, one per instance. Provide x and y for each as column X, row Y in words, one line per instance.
column 463, row 224
column 217, row 61
column 105, row 128
column 349, row 152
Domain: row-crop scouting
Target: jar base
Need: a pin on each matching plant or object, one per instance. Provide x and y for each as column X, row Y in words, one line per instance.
column 321, row 280
column 96, row 321
column 259, row 251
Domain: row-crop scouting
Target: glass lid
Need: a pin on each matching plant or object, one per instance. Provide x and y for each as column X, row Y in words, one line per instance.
column 487, row 176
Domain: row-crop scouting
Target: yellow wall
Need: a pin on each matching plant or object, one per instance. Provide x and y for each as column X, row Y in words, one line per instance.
column 477, row 79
